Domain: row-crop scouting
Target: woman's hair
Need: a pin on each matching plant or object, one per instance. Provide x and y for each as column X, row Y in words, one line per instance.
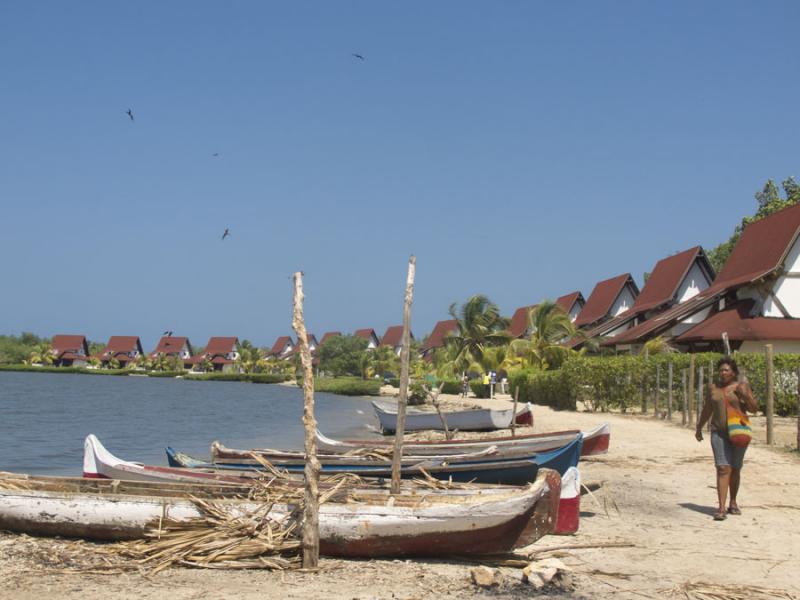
column 727, row 360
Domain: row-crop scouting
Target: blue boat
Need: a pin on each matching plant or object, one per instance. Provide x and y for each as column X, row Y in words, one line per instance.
column 512, row 470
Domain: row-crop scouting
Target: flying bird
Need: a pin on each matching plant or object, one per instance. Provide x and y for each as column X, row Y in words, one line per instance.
column 129, row 112
column 226, row 234
column 358, row 56
column 215, row 154
column 167, row 333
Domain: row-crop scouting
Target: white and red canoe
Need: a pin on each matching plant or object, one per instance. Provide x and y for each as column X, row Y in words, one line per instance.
column 473, row 419
column 595, row 441
column 486, row 520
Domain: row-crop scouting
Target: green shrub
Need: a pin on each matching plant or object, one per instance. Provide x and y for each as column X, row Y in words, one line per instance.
column 478, row 388
column 348, row 386
column 549, row 388
column 248, row 377
column 450, row 386
column 166, row 373
column 417, row 393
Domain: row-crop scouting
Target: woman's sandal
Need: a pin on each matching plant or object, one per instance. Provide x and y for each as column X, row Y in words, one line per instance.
column 734, row 510
column 720, row 516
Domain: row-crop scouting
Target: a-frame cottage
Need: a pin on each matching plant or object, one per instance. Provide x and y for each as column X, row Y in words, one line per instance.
column 674, row 279
column 69, row 350
column 221, row 352
column 436, row 338
column 125, row 349
column 608, row 299
column 368, row 334
column 519, row 327
column 328, row 335
column 755, row 298
column 282, row 348
column 393, row 338
column 572, row 304
column 174, row 346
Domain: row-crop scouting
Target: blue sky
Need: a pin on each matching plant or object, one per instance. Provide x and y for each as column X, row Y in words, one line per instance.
column 520, row 149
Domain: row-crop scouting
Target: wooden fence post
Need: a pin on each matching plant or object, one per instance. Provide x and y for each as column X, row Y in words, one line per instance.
column 312, row 468
column 405, row 352
column 685, row 406
column 669, row 392
column 656, row 397
column 691, row 391
column 644, row 379
column 770, row 395
column 700, row 394
column 514, row 412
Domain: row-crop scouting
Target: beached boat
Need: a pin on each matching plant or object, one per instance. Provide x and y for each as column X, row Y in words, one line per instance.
column 366, row 524
column 477, row 419
column 511, row 468
column 595, row 441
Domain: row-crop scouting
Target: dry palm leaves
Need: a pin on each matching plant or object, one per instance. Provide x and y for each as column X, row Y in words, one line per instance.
column 713, row 591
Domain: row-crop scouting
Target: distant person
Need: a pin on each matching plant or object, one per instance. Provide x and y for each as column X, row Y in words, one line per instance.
column 504, row 385
column 727, row 458
column 486, row 382
column 464, row 385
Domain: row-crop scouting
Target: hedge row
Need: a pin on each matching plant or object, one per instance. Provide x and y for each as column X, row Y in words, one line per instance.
column 348, row 386
column 622, row 382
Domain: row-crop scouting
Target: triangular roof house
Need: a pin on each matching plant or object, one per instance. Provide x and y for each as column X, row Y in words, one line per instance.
column 608, row 299
column 282, row 347
column 122, row 348
column 223, row 352
column 328, row 335
column 368, row 334
column 519, row 322
column 170, row 345
column 436, row 338
column 674, row 279
column 758, row 290
column 394, row 338
column 69, row 350
column 572, row 304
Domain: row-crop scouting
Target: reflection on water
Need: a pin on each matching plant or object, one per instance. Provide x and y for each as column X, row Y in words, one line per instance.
column 44, row 418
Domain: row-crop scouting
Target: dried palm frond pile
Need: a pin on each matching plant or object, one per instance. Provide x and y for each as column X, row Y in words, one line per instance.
column 713, row 591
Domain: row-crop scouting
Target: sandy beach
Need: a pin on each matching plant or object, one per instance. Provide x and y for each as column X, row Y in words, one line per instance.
column 653, row 507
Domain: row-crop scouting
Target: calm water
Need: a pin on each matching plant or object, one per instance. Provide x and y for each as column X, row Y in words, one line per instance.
column 44, row 418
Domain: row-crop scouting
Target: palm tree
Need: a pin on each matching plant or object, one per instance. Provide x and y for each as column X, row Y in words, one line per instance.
column 480, row 326
column 551, row 327
column 380, row 361
column 42, row 354
column 251, row 358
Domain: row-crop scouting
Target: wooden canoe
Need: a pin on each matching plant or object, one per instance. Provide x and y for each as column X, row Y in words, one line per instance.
column 595, row 441
column 479, row 419
column 427, row 523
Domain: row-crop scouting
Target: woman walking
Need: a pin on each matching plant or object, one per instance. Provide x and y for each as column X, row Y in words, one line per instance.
column 727, row 457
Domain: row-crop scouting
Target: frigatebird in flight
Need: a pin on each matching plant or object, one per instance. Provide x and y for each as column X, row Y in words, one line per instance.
column 226, row 234
column 129, row 112
column 167, row 333
column 358, row 56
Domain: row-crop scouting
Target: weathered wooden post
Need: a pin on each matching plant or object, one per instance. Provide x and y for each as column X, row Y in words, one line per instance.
column 644, row 379
column 691, row 391
column 311, row 471
column 405, row 352
column 514, row 412
column 658, row 391
column 685, row 404
column 770, row 395
column 669, row 391
column 726, row 343
column 700, row 394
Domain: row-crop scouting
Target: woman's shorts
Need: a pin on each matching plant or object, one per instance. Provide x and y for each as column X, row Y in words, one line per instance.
column 725, row 453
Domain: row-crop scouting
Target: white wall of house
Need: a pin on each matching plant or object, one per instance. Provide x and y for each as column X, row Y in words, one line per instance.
column 779, row 346
column 620, row 329
column 623, row 302
column 575, row 311
column 786, row 289
column 693, row 283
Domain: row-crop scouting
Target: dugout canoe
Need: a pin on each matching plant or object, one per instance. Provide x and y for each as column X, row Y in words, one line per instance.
column 595, row 441
column 366, row 525
column 478, row 419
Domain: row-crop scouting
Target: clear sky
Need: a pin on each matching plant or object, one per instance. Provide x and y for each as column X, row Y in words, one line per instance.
column 519, row 149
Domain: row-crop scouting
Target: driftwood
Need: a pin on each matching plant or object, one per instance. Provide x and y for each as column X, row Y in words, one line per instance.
column 514, row 412
column 312, row 466
column 405, row 352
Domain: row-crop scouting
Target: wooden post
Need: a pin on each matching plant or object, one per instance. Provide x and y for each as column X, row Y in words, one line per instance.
column 700, row 395
column 669, row 392
column 685, row 405
column 644, row 378
column 691, row 391
column 311, row 471
column 770, row 395
column 514, row 412
column 405, row 352
column 726, row 343
column 658, row 391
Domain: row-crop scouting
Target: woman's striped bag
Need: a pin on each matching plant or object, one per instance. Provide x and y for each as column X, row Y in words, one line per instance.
column 739, row 430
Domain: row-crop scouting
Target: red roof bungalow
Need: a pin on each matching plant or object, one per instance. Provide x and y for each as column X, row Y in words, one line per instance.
column 222, row 352
column 122, row 348
column 572, row 304
column 370, row 336
column 172, row 346
column 436, row 339
column 69, row 350
column 282, row 347
column 393, row 338
column 755, row 298
column 312, row 344
column 519, row 326
column 608, row 299
column 328, row 335
column 674, row 280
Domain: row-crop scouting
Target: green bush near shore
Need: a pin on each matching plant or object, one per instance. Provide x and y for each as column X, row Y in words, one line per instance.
column 348, row 386
column 81, row 370
column 551, row 388
column 248, row 377
column 450, row 386
column 478, row 388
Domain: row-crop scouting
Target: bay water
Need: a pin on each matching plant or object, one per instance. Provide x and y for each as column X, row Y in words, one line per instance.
column 44, row 418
